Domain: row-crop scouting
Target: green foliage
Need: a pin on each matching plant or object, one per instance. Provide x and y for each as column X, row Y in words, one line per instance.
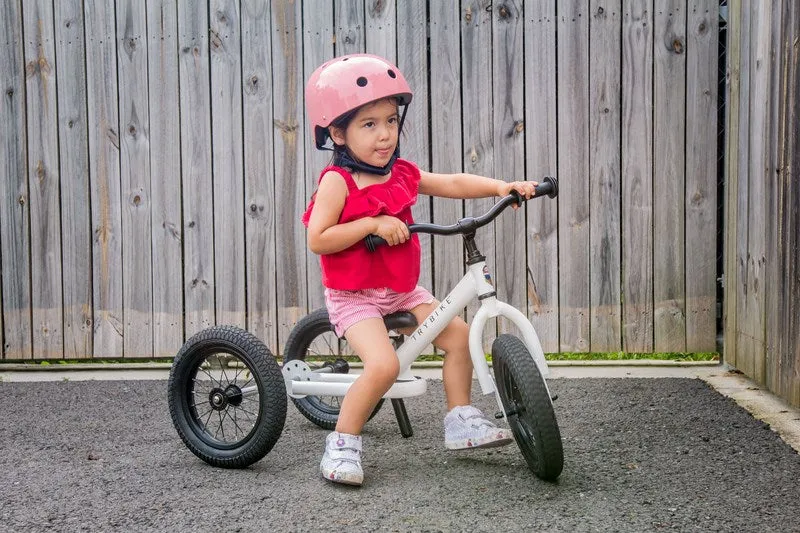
column 632, row 356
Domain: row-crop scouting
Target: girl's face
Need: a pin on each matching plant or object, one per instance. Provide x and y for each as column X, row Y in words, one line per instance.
column 371, row 136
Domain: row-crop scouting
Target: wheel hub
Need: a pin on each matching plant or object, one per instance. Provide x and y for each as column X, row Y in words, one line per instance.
column 220, row 398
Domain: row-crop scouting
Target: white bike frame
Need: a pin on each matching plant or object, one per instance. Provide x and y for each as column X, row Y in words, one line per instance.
column 302, row 381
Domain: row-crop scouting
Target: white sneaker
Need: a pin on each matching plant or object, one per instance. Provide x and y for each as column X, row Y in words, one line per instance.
column 466, row 427
column 341, row 462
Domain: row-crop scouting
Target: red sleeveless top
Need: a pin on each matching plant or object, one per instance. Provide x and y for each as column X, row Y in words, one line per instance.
column 396, row 267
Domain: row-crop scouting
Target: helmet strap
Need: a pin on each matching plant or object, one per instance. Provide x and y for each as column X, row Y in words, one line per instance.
column 343, row 158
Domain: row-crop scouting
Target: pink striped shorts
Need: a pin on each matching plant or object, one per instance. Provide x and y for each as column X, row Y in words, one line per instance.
column 345, row 308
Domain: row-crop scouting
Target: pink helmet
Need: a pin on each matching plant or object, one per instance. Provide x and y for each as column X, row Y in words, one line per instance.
column 346, row 83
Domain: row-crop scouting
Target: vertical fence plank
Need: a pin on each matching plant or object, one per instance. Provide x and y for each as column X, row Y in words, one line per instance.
column 637, row 175
column 573, row 171
column 446, row 121
column 786, row 361
column 137, row 280
column 43, row 181
column 669, row 155
column 412, row 60
column 731, row 269
column 349, row 20
column 701, row 174
column 226, row 145
column 165, row 172
column 605, row 73
column 478, row 138
column 101, row 75
column 198, row 220
column 259, row 171
column 541, row 161
column 744, row 360
column 74, row 170
column 318, row 47
column 758, row 163
column 290, row 200
column 381, row 29
column 14, row 198
column 774, row 292
column 509, row 150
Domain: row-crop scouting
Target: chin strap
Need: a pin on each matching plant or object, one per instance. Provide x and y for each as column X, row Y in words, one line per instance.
column 343, row 158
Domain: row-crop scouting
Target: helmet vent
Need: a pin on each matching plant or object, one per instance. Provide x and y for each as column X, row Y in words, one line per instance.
column 361, row 81
column 391, row 73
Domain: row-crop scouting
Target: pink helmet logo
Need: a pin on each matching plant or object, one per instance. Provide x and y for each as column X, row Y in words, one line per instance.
column 346, row 83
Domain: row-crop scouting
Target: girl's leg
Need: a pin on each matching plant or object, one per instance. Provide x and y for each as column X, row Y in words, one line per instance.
column 465, row 426
column 457, row 368
column 370, row 340
column 341, row 462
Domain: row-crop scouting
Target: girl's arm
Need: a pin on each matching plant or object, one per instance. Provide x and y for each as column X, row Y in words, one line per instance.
column 470, row 186
column 327, row 236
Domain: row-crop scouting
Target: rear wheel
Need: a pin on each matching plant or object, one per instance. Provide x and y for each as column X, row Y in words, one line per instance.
column 227, row 397
column 313, row 341
column 528, row 407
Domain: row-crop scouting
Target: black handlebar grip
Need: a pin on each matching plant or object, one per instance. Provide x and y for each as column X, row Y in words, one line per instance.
column 373, row 241
column 548, row 186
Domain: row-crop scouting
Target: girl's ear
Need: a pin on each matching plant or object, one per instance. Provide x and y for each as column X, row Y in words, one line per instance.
column 337, row 135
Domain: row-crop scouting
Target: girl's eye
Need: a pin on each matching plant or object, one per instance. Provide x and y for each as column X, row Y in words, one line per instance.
column 393, row 120
column 369, row 124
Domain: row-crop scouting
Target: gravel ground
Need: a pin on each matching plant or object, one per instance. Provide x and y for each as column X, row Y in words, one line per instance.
column 640, row 455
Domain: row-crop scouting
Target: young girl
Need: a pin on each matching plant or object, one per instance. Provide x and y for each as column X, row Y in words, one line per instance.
column 368, row 189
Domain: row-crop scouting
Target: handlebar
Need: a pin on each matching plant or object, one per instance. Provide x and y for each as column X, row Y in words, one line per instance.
column 548, row 187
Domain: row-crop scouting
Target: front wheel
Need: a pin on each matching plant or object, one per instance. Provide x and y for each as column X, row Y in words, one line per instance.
column 528, row 407
column 227, row 397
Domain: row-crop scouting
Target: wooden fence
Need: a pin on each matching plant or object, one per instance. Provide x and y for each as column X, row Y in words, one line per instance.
column 156, row 160
column 762, row 249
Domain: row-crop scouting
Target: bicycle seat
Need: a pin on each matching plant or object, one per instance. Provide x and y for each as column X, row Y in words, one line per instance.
column 400, row 319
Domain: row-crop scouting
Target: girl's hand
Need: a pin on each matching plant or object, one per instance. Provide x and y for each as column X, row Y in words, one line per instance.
column 391, row 229
column 525, row 188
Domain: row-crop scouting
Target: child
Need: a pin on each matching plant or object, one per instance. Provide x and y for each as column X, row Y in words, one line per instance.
column 368, row 189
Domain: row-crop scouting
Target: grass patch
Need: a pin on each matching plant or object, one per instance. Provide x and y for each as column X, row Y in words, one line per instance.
column 633, row 356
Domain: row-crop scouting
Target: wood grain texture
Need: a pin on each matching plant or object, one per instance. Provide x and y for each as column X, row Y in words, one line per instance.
column 541, row 160
column 15, row 291
column 73, row 138
column 318, row 47
column 412, row 60
column 605, row 94
column 226, row 144
column 198, row 189
column 43, row 180
column 669, row 156
column 165, row 172
column 134, row 112
column 701, row 175
column 478, row 138
column 509, row 151
column 730, row 268
column 573, row 172
column 290, row 198
column 637, row 175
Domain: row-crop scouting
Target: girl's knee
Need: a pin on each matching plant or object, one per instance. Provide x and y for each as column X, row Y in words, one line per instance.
column 455, row 337
column 383, row 371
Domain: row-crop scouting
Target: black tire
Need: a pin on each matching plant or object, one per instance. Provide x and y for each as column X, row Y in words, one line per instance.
column 313, row 338
column 217, row 421
column 528, row 407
